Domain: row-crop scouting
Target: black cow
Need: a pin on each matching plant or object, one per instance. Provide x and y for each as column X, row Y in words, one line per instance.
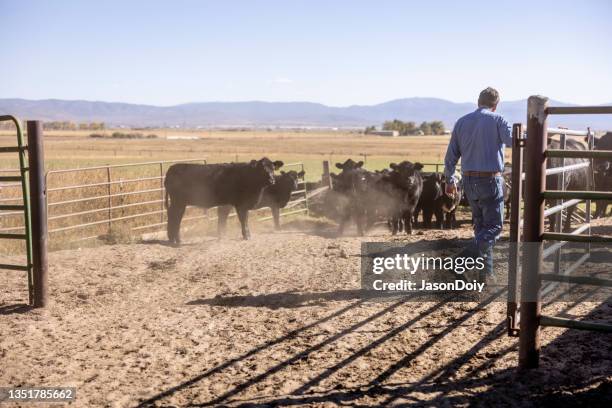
column 351, row 185
column 602, row 169
column 367, row 195
column 275, row 196
column 435, row 202
column 208, row 185
column 349, row 164
column 576, row 180
column 405, row 187
column 430, row 200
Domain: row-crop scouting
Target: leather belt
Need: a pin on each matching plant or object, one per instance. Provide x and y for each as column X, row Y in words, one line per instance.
column 482, row 173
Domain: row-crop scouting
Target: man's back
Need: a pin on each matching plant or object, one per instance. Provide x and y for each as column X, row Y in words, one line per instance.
column 479, row 139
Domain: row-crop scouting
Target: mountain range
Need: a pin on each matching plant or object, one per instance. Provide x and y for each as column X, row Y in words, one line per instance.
column 261, row 114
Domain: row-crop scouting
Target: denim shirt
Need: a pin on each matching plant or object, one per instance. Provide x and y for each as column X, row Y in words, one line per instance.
column 479, row 139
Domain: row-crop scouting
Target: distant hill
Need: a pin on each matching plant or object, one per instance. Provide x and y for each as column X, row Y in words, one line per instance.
column 256, row 113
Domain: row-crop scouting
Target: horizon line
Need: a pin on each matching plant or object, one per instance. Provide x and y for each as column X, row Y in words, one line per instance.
column 276, row 101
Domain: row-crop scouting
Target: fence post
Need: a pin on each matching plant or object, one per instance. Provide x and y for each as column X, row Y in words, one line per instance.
column 515, row 229
column 305, row 191
column 326, row 178
column 161, row 186
column 110, row 199
column 590, row 186
column 529, row 336
column 559, row 216
column 38, row 194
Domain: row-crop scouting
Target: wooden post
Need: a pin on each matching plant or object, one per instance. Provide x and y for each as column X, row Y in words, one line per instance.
column 326, row 178
column 515, row 228
column 529, row 336
column 38, row 203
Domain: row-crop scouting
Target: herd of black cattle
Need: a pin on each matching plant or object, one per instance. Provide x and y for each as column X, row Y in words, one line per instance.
column 396, row 195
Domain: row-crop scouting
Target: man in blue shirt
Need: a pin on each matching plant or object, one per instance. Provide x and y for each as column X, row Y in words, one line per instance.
column 479, row 139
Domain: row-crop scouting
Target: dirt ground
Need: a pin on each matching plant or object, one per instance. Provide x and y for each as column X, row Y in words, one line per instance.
column 278, row 320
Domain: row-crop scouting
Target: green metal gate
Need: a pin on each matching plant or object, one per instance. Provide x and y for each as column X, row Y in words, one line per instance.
column 23, row 177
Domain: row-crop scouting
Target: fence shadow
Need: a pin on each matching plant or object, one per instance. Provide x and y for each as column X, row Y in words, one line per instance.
column 18, row 308
column 554, row 384
column 279, row 340
column 290, row 300
column 282, row 299
column 549, row 386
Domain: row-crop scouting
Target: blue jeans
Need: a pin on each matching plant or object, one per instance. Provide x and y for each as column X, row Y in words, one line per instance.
column 486, row 198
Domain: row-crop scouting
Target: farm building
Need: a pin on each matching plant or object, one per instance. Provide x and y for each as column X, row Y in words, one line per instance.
column 389, row 133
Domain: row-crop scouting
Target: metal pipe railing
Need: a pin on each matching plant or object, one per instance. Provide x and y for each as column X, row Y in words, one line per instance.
column 78, row 200
column 579, row 154
column 109, row 208
column 105, row 183
column 116, row 166
column 104, row 221
column 559, row 207
column 568, row 132
column 578, row 110
column 57, row 217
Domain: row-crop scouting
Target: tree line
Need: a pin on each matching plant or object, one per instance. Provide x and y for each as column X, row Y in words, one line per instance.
column 67, row 125
column 435, row 127
column 62, row 125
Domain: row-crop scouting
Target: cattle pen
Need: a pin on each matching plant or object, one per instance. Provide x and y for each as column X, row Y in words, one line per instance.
column 276, row 320
column 530, row 231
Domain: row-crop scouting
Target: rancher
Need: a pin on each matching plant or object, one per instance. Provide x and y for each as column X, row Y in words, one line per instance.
column 479, row 139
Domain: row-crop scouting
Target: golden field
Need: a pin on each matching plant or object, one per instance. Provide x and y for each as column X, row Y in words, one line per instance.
column 76, row 149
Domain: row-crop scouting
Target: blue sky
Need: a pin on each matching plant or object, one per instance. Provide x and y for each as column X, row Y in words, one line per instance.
column 333, row 52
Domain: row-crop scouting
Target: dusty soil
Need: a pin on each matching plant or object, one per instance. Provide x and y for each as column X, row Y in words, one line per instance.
column 277, row 320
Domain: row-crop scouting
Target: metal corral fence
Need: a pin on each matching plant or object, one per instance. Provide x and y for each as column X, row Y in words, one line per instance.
column 558, row 209
column 533, row 253
column 114, row 201
column 93, row 202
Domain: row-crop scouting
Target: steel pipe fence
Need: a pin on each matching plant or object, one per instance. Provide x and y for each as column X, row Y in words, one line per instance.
column 111, row 197
column 126, row 203
column 527, row 323
column 573, row 198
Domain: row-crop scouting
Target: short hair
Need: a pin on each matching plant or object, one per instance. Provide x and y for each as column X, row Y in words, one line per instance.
column 488, row 98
